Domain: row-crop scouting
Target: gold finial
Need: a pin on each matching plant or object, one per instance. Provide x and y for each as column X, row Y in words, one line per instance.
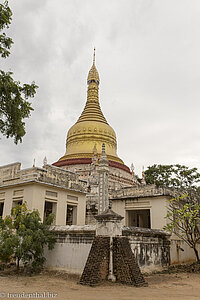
column 94, row 56
column 93, row 73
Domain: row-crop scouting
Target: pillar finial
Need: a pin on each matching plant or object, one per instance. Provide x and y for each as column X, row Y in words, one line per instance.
column 45, row 161
column 143, row 176
column 94, row 56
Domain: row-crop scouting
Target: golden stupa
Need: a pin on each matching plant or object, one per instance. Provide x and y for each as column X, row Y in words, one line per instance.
column 91, row 130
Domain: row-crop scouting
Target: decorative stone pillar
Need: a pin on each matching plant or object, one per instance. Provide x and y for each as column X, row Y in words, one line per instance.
column 134, row 179
column 103, row 171
column 109, row 224
column 111, row 257
column 143, row 181
column 92, row 197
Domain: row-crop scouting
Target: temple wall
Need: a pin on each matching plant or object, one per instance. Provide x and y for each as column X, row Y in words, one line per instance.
column 117, row 177
column 156, row 205
column 71, row 249
column 151, row 248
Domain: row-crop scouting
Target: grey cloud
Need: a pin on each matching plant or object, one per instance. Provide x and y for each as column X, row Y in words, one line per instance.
column 147, row 54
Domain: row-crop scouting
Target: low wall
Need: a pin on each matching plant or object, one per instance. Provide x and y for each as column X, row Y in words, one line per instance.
column 181, row 252
column 151, row 248
column 73, row 244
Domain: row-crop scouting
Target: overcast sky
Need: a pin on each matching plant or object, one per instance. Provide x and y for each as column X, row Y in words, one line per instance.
column 148, row 58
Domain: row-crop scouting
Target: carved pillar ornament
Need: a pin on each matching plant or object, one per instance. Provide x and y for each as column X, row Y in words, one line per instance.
column 143, row 177
column 103, row 181
column 134, row 179
column 45, row 161
column 95, row 156
column 93, row 184
column 34, row 163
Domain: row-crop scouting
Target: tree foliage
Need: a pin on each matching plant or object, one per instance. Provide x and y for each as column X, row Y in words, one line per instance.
column 183, row 214
column 184, row 219
column 14, row 107
column 23, row 237
column 178, row 176
column 5, row 21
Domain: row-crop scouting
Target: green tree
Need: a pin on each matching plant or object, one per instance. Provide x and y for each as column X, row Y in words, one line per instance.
column 14, row 105
column 178, row 176
column 184, row 219
column 23, row 237
column 184, row 210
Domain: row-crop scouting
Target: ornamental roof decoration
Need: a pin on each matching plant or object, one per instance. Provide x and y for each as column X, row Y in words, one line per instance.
column 93, row 73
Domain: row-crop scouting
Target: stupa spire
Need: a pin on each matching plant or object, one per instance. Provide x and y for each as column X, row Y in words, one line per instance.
column 94, row 56
column 92, row 110
column 91, row 129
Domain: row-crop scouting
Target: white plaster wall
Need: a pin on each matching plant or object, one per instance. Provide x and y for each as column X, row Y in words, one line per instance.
column 70, row 257
column 179, row 256
column 71, row 252
column 158, row 211
column 7, row 202
column 81, row 211
column 118, row 206
column 34, row 197
column 34, row 194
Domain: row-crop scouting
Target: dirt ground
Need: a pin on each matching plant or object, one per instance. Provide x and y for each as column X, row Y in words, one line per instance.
column 160, row 286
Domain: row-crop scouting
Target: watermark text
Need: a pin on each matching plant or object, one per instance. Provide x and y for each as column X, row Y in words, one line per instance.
column 26, row 295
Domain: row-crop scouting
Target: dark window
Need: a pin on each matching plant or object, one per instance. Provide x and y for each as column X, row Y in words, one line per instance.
column 48, row 209
column 1, row 208
column 71, row 215
column 17, row 202
column 139, row 218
